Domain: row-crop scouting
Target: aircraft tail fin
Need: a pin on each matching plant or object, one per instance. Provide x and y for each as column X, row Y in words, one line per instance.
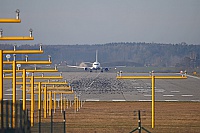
column 96, row 55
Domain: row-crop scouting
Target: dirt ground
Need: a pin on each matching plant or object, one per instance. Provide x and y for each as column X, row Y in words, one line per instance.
column 122, row 117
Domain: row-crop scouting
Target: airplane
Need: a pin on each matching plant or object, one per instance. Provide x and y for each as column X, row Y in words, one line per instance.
column 95, row 66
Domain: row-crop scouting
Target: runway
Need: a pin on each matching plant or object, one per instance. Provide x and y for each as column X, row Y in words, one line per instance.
column 105, row 87
column 98, row 86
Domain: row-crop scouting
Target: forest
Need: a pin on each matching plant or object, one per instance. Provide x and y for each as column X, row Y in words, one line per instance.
column 120, row 53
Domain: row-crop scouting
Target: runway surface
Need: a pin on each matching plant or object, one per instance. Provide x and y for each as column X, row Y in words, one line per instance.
column 98, row 86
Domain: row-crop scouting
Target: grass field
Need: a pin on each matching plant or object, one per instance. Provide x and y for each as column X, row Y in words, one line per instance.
column 121, row 117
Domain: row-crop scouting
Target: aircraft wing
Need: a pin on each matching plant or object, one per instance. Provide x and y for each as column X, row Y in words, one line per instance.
column 85, row 68
column 75, row 66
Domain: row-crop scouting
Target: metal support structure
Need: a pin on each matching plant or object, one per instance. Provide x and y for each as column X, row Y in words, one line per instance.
column 10, row 20
column 13, row 52
column 39, row 95
column 67, row 103
column 61, row 102
column 64, row 121
column 139, row 128
column 63, row 92
column 54, row 102
column 64, row 103
column 33, row 70
column 45, row 83
column 149, row 77
column 152, row 77
column 15, row 38
column 60, row 88
column 1, row 75
column 153, row 101
column 32, row 101
column 51, row 120
column 1, row 86
column 14, row 90
column 79, row 104
column 14, row 111
column 77, row 108
column 50, row 103
column 28, row 62
column 36, row 77
column 45, row 102
column 75, row 104
column 39, row 120
column 39, row 105
column 40, row 51
column 24, row 89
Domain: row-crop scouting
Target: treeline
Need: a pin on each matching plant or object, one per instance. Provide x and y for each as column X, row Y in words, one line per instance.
column 131, row 54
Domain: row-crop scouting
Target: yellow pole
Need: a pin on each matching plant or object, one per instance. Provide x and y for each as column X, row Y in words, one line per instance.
column 39, row 77
column 1, row 86
column 23, row 51
column 61, row 102
column 24, row 89
column 77, row 108
column 75, row 103
column 37, row 70
column 153, row 102
column 50, row 102
column 79, row 103
column 14, row 91
column 64, row 103
column 10, row 38
column 32, row 100
column 29, row 62
column 39, row 96
column 39, row 100
column 10, row 20
column 67, row 103
column 152, row 77
column 54, row 102
column 1, row 75
column 45, row 102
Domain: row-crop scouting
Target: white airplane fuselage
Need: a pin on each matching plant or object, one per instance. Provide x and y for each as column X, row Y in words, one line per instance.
column 96, row 66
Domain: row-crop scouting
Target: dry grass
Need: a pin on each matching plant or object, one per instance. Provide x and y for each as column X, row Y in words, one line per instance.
column 118, row 117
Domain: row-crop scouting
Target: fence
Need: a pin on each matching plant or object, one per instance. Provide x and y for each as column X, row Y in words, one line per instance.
column 51, row 124
column 13, row 118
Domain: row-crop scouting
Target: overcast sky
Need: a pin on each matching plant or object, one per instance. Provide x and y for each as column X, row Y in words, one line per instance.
column 103, row 21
